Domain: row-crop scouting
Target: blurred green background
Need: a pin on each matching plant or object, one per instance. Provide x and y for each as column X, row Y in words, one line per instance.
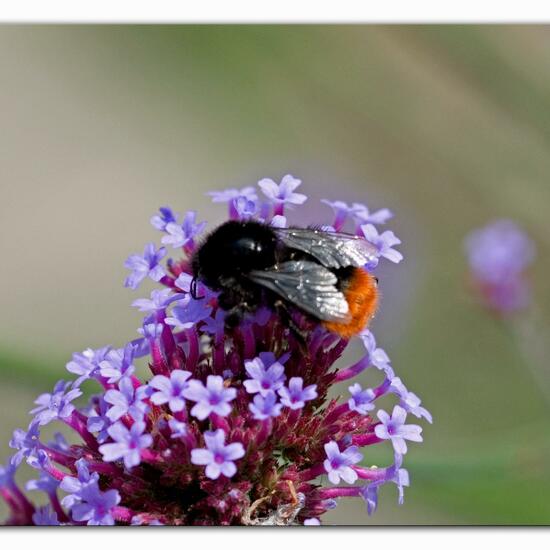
column 449, row 126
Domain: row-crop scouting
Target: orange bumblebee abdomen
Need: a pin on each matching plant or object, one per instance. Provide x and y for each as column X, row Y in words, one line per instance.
column 361, row 293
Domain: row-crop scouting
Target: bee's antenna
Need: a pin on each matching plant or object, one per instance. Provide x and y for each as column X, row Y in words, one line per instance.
column 193, row 289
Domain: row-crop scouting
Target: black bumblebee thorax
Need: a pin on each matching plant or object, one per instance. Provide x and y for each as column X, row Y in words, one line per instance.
column 232, row 250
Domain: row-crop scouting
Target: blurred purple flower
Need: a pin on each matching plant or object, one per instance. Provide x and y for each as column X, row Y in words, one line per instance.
column 166, row 216
column 45, row 516
column 499, row 255
column 359, row 212
column 228, row 195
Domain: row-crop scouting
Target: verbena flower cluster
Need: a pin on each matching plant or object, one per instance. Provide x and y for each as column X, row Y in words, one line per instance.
column 499, row 255
column 230, row 428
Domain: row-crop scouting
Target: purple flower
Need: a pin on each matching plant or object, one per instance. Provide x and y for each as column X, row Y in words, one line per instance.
column 499, row 254
column 166, row 216
column 359, row 212
column 295, row 396
column 55, row 405
column 312, row 521
column 394, row 474
column 361, row 400
column 217, row 457
column 86, row 364
column 499, row 250
column 409, row 400
column 26, row 442
column 75, row 485
column 45, row 483
column 45, row 516
column 377, row 356
column 263, row 380
column 245, row 207
column 189, row 313
column 118, row 363
column 170, row 390
column 383, row 243
column 95, row 506
column 127, row 443
column 160, row 299
column 212, row 398
column 144, row 266
column 394, row 428
column 282, row 193
column 338, row 464
column 216, row 324
column 126, row 400
column 178, row 429
column 181, row 235
column 98, row 422
column 265, row 406
column 7, row 474
column 229, row 194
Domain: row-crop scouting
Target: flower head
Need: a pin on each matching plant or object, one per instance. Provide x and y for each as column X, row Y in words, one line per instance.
column 233, row 424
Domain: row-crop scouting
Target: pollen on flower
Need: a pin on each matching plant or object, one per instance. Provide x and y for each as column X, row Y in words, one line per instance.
column 232, row 426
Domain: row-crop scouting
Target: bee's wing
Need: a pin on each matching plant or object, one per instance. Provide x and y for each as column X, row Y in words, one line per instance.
column 308, row 286
column 333, row 250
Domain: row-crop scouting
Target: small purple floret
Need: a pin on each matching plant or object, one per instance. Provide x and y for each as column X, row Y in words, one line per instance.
column 217, row 457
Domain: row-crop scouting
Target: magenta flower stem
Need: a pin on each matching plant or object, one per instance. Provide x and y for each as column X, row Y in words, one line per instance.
column 372, row 474
column 336, row 413
column 192, row 348
column 219, row 422
column 354, row 370
column 313, row 472
column 77, row 423
column 56, row 505
column 337, row 492
column 365, row 439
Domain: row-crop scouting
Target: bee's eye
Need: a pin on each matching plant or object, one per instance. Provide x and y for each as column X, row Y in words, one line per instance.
column 376, row 280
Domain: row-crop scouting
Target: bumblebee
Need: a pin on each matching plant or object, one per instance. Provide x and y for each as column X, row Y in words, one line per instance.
column 320, row 273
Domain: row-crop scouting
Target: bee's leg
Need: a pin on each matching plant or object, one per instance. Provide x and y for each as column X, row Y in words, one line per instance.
column 295, row 330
